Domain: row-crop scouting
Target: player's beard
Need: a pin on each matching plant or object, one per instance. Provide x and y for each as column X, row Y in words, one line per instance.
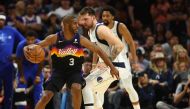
column 106, row 22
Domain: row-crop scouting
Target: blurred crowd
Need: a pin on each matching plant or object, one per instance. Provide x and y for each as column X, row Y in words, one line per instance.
column 160, row 29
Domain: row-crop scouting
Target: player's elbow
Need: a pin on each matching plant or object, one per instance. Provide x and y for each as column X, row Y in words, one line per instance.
column 120, row 47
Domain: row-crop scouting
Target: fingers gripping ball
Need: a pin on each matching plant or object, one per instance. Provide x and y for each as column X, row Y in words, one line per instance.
column 34, row 53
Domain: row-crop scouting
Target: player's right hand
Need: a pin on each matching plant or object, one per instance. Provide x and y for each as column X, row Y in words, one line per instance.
column 22, row 80
column 114, row 72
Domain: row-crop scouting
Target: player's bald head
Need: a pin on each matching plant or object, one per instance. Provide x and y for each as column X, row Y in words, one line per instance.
column 67, row 19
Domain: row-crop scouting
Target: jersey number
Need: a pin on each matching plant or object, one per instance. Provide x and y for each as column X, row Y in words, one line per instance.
column 72, row 61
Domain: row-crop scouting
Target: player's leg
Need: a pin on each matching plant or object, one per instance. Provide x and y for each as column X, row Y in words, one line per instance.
column 8, row 75
column 54, row 85
column 46, row 97
column 96, row 85
column 76, row 95
column 20, row 91
column 99, row 100
column 75, row 84
column 126, row 82
column 88, row 97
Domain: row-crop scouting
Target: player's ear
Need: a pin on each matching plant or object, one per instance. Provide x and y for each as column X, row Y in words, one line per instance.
column 94, row 17
column 113, row 17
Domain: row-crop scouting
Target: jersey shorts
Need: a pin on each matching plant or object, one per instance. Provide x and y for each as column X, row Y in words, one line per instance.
column 58, row 80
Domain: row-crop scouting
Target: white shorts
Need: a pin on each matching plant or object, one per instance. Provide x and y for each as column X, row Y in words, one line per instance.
column 100, row 79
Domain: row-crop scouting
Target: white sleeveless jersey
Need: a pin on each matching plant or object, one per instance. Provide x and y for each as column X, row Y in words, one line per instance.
column 114, row 29
column 105, row 47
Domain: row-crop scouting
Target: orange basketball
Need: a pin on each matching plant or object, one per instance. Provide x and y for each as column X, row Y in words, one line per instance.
column 35, row 54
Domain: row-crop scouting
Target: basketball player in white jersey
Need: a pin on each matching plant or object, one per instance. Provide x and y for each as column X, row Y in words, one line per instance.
column 98, row 82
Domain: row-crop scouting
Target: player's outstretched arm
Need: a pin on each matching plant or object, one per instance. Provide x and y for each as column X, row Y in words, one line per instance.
column 93, row 47
column 105, row 33
column 49, row 40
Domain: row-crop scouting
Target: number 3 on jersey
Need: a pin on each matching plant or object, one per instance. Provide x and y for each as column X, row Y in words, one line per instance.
column 72, row 61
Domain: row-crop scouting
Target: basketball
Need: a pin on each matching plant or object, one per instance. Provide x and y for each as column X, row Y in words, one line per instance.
column 34, row 53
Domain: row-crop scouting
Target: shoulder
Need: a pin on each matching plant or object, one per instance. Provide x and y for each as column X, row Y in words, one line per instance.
column 10, row 28
column 102, row 28
column 22, row 44
column 121, row 25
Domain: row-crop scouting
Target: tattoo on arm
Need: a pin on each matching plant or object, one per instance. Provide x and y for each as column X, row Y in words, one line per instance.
column 114, row 52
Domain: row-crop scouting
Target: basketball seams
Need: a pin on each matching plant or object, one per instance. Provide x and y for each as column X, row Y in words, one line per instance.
column 36, row 55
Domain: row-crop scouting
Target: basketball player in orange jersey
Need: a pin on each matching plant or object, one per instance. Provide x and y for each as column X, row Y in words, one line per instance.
column 67, row 58
column 93, row 92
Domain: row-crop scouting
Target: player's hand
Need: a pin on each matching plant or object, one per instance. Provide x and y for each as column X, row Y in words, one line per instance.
column 28, row 50
column 37, row 80
column 22, row 80
column 114, row 72
column 30, row 47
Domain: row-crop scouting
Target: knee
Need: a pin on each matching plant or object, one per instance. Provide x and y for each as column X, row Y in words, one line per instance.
column 76, row 87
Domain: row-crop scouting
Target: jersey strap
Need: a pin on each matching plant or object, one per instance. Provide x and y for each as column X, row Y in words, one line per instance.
column 118, row 33
column 100, row 40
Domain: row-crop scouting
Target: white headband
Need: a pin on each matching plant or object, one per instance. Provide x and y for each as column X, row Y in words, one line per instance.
column 3, row 17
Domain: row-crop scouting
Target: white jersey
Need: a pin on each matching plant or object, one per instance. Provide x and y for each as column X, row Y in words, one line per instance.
column 106, row 48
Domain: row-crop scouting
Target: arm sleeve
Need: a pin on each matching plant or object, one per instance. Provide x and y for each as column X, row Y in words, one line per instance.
column 18, row 36
column 19, row 50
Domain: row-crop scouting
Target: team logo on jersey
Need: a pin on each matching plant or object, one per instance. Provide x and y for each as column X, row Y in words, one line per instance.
column 99, row 79
column 75, row 41
column 60, row 41
column 69, row 50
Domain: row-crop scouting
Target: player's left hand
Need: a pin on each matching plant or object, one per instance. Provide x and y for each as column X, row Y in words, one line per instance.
column 114, row 72
column 37, row 80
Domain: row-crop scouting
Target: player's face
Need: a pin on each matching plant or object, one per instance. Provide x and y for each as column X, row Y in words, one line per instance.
column 2, row 23
column 107, row 17
column 74, row 26
column 86, row 21
column 30, row 40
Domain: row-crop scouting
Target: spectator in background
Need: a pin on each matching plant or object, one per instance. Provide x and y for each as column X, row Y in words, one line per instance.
column 52, row 24
column 160, row 34
column 149, row 43
column 41, row 10
column 65, row 8
column 14, row 20
column 46, row 71
column 137, row 32
column 177, row 18
column 180, row 75
column 160, row 76
column 20, row 8
column 8, row 38
column 145, row 91
column 159, row 11
column 169, row 45
column 87, row 53
column 181, row 98
column 87, row 66
column 32, row 21
column 141, row 58
column 29, row 73
column 53, row 5
column 158, row 48
column 139, row 10
column 181, row 56
column 77, row 6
